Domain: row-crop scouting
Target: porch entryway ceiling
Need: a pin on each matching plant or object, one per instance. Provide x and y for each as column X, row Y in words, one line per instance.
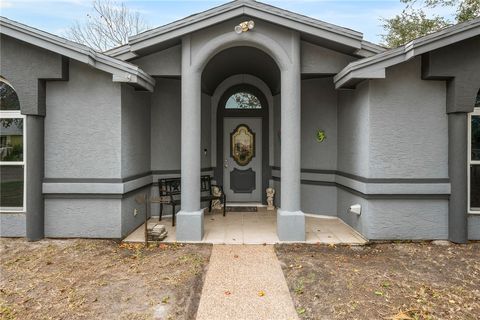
column 241, row 60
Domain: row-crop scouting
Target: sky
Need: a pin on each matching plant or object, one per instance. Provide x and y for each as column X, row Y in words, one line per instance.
column 55, row 16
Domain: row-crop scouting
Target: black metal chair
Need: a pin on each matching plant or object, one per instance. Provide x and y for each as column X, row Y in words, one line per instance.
column 170, row 191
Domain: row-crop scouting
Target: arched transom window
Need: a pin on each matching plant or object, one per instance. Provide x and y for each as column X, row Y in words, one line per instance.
column 243, row 100
column 12, row 150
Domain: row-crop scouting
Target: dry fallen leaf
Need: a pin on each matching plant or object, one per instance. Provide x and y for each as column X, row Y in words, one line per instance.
column 403, row 315
column 227, row 293
column 261, row 293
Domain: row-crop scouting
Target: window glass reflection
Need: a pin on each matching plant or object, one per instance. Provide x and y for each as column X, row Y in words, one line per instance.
column 11, row 186
column 11, row 139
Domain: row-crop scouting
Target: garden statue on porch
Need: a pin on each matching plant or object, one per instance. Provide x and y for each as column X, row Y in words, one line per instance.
column 216, row 204
column 270, row 196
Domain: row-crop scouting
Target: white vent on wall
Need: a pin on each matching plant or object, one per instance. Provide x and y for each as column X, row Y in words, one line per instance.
column 355, row 209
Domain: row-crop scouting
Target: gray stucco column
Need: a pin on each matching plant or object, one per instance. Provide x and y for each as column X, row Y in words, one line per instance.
column 457, row 171
column 35, row 173
column 290, row 218
column 190, row 218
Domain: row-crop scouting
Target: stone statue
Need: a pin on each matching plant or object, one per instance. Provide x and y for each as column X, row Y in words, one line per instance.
column 216, row 204
column 270, row 196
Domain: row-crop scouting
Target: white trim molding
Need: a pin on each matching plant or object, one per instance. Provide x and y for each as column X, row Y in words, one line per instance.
column 15, row 114
column 471, row 162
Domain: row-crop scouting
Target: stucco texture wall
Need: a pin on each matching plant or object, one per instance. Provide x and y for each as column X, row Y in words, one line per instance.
column 408, row 125
column 474, row 227
column 407, row 219
column 354, row 130
column 135, row 141
column 22, row 65
column 394, row 128
column 166, row 126
column 86, row 218
column 133, row 212
column 83, row 125
column 319, row 112
column 319, row 199
column 279, row 34
column 320, row 60
column 344, row 200
column 25, row 66
column 162, row 63
column 12, row 225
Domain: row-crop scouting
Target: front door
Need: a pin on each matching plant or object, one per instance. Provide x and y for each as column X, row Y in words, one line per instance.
column 242, row 167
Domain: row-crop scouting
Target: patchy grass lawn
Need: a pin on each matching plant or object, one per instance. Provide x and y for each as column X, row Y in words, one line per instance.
column 100, row 279
column 400, row 281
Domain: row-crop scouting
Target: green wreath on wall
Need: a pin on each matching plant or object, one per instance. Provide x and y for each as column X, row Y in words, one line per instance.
column 320, row 135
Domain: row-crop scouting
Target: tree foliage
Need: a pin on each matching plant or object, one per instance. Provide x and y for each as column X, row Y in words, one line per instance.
column 413, row 21
column 8, row 97
column 467, row 10
column 245, row 100
column 108, row 25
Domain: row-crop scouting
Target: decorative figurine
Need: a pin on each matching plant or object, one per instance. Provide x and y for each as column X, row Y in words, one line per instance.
column 270, row 196
column 216, row 204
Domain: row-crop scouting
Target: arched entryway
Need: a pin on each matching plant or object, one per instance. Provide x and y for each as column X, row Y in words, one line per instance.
column 290, row 218
column 242, row 114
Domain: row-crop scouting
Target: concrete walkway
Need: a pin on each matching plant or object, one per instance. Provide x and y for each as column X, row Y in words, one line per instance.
column 245, row 282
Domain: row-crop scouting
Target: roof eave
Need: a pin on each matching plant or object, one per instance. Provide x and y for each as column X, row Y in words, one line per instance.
column 122, row 52
column 374, row 67
column 121, row 71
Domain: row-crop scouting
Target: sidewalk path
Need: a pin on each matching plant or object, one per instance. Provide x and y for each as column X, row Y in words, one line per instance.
column 245, row 282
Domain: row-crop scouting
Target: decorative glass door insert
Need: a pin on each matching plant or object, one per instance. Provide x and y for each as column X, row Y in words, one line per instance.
column 242, row 145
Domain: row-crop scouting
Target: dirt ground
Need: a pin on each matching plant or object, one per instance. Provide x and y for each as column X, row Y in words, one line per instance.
column 99, row 279
column 400, row 281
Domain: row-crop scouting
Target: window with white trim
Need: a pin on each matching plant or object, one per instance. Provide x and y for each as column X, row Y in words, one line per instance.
column 12, row 150
column 474, row 158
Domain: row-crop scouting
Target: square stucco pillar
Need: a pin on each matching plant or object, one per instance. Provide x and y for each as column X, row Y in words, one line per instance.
column 190, row 217
column 457, row 170
column 35, row 226
column 290, row 218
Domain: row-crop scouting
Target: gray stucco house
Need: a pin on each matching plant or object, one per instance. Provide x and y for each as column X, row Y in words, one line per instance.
column 337, row 122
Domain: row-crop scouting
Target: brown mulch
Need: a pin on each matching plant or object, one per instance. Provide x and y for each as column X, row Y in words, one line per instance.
column 399, row 281
column 100, row 279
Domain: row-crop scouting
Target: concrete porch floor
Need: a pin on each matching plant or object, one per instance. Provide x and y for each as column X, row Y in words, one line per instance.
column 258, row 228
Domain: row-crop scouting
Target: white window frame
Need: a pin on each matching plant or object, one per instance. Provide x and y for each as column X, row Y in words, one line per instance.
column 15, row 114
column 476, row 112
